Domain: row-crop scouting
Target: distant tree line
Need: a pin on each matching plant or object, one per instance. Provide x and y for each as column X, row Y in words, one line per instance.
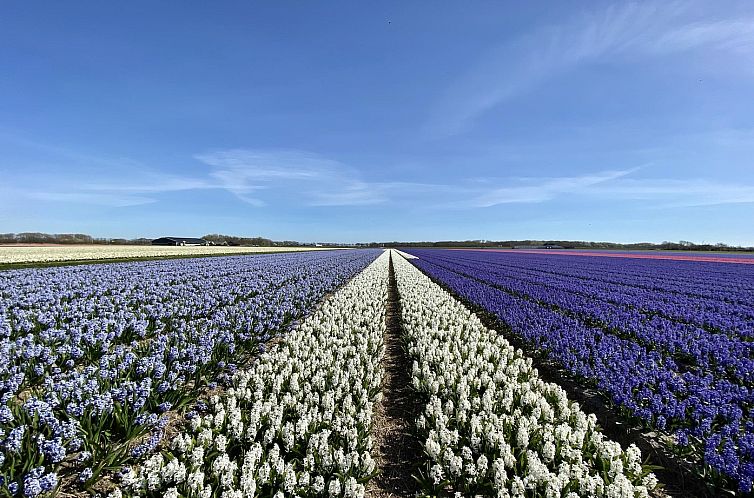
column 682, row 245
column 234, row 240
column 66, row 238
column 81, row 238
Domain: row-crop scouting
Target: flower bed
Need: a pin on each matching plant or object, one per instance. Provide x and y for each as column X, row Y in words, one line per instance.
column 678, row 377
column 91, row 357
column 490, row 425
column 296, row 422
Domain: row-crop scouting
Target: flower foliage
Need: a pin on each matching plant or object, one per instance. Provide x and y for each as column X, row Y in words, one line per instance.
column 669, row 342
column 91, row 357
column 297, row 421
column 490, row 425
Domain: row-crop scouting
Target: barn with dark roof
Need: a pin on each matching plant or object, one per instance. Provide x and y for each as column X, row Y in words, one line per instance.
column 179, row 241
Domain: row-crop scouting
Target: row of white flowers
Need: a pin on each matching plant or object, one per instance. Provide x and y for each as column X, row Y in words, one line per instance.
column 405, row 254
column 296, row 423
column 491, row 426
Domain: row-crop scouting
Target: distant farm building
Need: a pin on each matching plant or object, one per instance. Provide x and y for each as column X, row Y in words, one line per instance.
column 179, row 241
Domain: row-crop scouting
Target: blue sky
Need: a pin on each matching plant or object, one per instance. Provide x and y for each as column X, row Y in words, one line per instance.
column 360, row 121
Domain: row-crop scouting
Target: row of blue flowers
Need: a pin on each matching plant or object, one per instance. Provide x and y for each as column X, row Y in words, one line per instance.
column 727, row 355
column 717, row 298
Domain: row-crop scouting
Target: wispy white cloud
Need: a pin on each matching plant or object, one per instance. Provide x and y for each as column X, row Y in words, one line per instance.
column 308, row 179
column 149, row 182
column 244, row 172
column 353, row 194
column 640, row 29
column 532, row 190
column 730, row 35
column 395, row 193
column 136, row 187
column 302, row 179
column 616, row 187
column 270, row 164
column 106, row 199
column 679, row 193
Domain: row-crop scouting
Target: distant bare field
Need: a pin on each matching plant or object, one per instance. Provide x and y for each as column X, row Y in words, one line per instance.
column 40, row 253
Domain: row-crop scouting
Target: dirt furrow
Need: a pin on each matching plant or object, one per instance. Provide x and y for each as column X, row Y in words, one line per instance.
column 396, row 450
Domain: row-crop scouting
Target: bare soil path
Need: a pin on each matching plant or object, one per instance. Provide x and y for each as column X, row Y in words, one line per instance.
column 396, row 449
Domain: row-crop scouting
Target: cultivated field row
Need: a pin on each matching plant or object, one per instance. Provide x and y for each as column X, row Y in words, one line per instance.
column 271, row 375
column 13, row 255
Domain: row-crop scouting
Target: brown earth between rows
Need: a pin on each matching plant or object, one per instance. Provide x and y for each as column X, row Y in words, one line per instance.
column 396, row 449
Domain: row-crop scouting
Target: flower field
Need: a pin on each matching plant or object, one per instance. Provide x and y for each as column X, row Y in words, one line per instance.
column 491, row 426
column 95, row 358
column 263, row 375
column 670, row 343
column 297, row 421
column 10, row 255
